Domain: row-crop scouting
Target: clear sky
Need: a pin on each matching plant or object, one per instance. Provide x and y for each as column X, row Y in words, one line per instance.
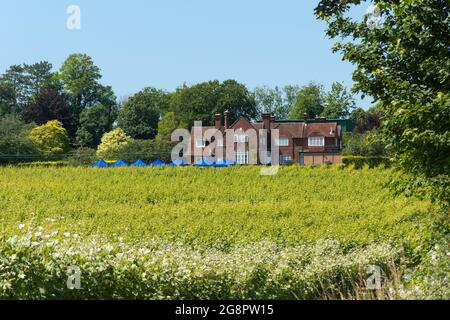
column 163, row 43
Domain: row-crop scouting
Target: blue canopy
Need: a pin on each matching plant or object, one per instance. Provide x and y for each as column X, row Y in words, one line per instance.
column 158, row 163
column 178, row 162
column 100, row 164
column 119, row 163
column 202, row 163
column 139, row 163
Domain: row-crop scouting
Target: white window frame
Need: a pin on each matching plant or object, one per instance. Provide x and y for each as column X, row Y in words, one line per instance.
column 240, row 138
column 316, row 141
column 285, row 158
column 241, row 157
column 283, row 142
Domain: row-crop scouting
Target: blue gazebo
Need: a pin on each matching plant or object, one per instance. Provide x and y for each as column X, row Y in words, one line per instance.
column 120, row 163
column 158, row 163
column 202, row 163
column 178, row 163
column 139, row 163
column 100, row 164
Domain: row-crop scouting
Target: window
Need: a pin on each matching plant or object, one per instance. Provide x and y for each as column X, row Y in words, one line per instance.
column 316, row 141
column 240, row 138
column 285, row 158
column 200, row 143
column 283, row 142
column 242, row 157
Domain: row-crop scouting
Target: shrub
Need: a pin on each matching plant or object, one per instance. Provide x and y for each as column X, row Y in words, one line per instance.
column 82, row 157
column 147, row 150
column 359, row 162
column 112, row 141
column 51, row 138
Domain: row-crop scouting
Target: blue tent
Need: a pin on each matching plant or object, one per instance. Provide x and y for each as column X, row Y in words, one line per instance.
column 119, row 163
column 100, row 164
column 179, row 163
column 158, row 163
column 139, row 163
column 202, row 163
column 224, row 163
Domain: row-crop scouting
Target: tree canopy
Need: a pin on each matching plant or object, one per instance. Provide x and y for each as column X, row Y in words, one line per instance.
column 403, row 62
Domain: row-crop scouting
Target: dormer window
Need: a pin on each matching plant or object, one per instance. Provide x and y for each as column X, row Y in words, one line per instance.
column 316, row 141
column 240, row 138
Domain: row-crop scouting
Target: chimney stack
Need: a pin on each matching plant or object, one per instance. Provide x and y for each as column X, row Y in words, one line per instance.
column 266, row 117
column 305, row 117
column 218, row 121
column 226, row 116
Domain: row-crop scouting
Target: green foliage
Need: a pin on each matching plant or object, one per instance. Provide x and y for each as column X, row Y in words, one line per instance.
column 338, row 102
column 112, row 141
column 82, row 157
column 95, row 121
column 309, row 101
column 405, row 64
column 46, row 164
column 37, row 265
column 141, row 112
column 51, row 138
column 276, row 101
column 147, row 150
column 363, row 144
column 359, row 162
column 15, row 145
column 167, row 125
column 201, row 101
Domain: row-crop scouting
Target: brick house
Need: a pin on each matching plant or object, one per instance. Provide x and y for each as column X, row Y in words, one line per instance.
column 302, row 142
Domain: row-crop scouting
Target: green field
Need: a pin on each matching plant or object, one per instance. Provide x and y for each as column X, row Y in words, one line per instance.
column 206, row 232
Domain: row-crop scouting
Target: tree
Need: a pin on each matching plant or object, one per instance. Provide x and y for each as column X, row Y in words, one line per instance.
column 309, row 101
column 141, row 112
column 403, row 61
column 201, row 101
column 94, row 122
column 51, row 138
column 49, row 104
column 275, row 101
column 338, row 102
column 20, row 84
column 112, row 141
column 15, row 145
column 167, row 125
column 80, row 80
column 366, row 120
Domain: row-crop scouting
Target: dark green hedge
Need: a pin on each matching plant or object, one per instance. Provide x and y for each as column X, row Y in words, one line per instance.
column 359, row 162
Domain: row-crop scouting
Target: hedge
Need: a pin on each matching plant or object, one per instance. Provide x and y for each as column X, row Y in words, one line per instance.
column 359, row 162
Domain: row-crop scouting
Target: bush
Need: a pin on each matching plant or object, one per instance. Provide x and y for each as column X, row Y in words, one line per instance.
column 44, row 164
column 112, row 141
column 51, row 138
column 82, row 157
column 38, row 265
column 147, row 150
column 359, row 162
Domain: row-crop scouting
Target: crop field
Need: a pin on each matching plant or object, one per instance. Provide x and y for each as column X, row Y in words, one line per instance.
column 164, row 233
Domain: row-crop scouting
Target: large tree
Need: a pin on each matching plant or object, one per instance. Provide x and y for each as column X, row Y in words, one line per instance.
column 309, row 101
column 201, row 101
column 402, row 58
column 49, row 104
column 279, row 102
column 94, row 122
column 141, row 112
column 338, row 102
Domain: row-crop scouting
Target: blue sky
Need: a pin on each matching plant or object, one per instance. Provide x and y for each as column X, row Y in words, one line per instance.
column 139, row 43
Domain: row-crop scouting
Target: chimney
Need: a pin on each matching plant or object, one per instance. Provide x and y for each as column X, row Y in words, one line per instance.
column 218, row 121
column 305, row 117
column 226, row 115
column 266, row 117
